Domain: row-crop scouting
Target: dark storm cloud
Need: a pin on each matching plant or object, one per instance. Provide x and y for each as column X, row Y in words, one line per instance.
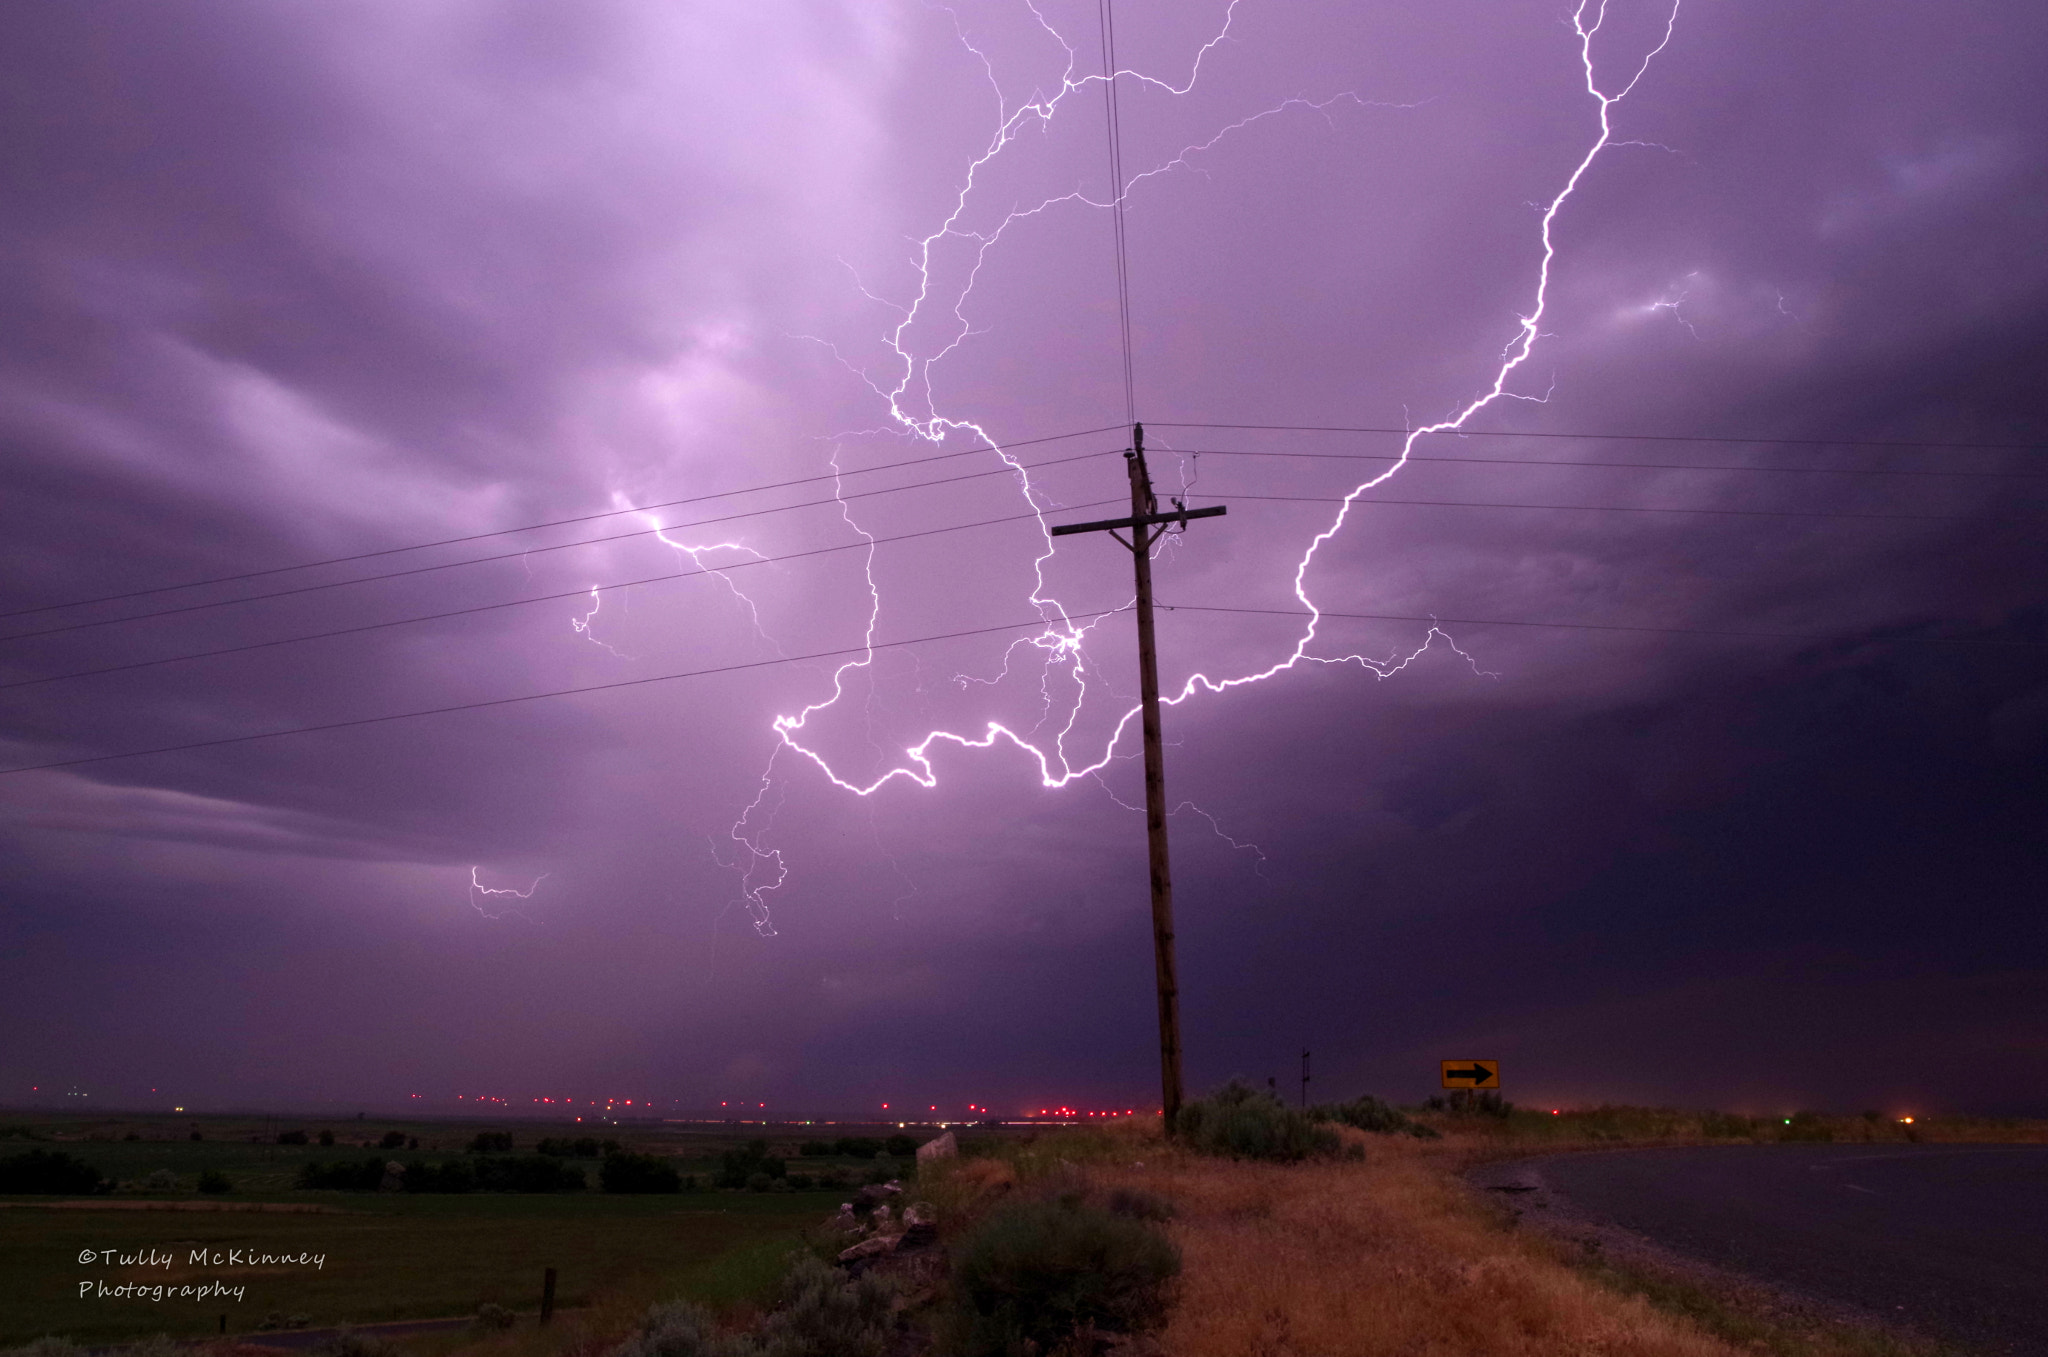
column 291, row 284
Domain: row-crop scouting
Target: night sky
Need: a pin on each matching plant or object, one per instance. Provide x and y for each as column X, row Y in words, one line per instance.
column 1722, row 782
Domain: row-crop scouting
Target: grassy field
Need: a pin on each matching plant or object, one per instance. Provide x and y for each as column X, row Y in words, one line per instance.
column 1385, row 1251
column 387, row 1255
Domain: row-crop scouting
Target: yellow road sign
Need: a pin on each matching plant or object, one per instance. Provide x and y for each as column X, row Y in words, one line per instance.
column 1471, row 1074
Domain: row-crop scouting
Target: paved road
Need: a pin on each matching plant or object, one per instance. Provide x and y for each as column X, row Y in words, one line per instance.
column 1952, row 1239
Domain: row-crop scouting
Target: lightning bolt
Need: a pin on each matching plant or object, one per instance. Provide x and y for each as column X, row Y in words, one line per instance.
column 1215, row 826
column 586, row 624
column 1672, row 304
column 908, row 393
column 478, row 890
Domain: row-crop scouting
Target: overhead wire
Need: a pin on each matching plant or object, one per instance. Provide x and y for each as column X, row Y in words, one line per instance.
column 1376, row 501
column 1203, row 452
column 536, row 697
column 557, row 522
column 1418, row 459
column 1612, row 437
column 1436, row 619
column 1364, row 502
column 522, row 602
column 1105, row 10
column 871, row 647
column 526, row 552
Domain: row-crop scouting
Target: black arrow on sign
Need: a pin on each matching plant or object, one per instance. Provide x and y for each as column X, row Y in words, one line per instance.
column 1478, row 1074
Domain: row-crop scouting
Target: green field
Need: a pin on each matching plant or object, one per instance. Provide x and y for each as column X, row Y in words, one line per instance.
column 388, row 1255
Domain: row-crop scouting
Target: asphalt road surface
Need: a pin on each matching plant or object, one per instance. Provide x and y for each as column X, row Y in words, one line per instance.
column 1950, row 1239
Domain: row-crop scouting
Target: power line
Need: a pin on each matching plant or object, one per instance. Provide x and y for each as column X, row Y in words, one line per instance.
column 1414, row 459
column 1613, row 437
column 532, row 551
column 557, row 523
column 777, row 485
column 521, row 602
column 977, row 631
column 1107, row 20
column 536, row 697
column 1375, row 501
column 1600, row 626
column 1637, row 509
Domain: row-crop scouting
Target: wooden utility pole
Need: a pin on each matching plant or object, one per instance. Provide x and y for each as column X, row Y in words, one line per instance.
column 1146, row 524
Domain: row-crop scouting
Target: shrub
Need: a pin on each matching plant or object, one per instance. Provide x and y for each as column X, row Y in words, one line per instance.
column 625, row 1171
column 1035, row 1274
column 1368, row 1113
column 393, row 1140
column 48, row 1347
column 347, row 1176
column 1726, row 1125
column 737, row 1167
column 901, row 1147
column 162, row 1180
column 812, row 1149
column 1136, row 1204
column 195, row 1136
column 491, row 1317
column 291, row 1137
column 215, row 1182
column 680, row 1329
column 883, row 1170
column 346, row 1342
column 50, row 1171
column 491, row 1142
column 326, row 1138
column 859, row 1147
column 454, row 1175
column 1466, row 1102
column 528, row 1173
column 561, row 1147
column 1807, row 1126
column 1250, row 1123
column 822, row 1312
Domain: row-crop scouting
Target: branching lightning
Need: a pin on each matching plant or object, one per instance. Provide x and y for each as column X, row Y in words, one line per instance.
column 478, row 891
column 586, row 625
column 908, row 392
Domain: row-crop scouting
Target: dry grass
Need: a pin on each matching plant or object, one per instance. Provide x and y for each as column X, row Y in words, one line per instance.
column 1389, row 1255
column 1394, row 1254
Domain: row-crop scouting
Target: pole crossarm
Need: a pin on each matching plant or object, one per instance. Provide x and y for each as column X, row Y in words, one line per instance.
column 1142, row 521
